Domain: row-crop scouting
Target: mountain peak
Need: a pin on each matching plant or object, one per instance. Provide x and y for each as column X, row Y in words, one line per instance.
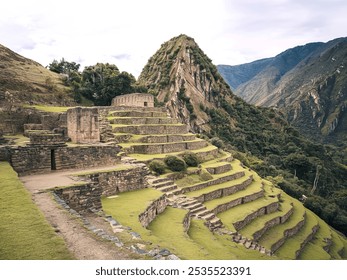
column 182, row 77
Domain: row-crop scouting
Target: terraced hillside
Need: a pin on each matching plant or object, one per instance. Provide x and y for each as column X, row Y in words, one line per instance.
column 218, row 210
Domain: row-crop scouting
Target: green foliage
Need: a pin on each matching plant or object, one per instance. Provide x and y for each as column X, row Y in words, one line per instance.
column 190, row 159
column 157, row 166
column 175, row 163
column 217, row 142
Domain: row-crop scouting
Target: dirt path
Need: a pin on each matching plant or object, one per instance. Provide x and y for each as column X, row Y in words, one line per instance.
column 83, row 244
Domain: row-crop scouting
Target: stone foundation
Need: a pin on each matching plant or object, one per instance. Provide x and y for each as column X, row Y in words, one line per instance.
column 43, row 159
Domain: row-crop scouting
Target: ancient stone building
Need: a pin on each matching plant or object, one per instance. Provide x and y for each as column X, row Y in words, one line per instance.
column 134, row 100
column 83, row 125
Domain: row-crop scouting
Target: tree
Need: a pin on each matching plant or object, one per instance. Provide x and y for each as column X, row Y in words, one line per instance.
column 102, row 82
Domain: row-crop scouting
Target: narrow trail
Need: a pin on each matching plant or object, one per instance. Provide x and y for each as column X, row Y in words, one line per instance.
column 83, row 244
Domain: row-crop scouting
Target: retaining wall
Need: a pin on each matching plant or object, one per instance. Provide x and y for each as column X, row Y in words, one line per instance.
column 156, row 207
column 260, row 212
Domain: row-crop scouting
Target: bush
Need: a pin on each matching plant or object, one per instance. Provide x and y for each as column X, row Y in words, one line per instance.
column 175, row 163
column 217, row 142
column 157, row 166
column 191, row 159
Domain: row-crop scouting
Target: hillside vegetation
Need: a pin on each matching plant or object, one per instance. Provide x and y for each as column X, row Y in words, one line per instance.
column 307, row 84
column 184, row 79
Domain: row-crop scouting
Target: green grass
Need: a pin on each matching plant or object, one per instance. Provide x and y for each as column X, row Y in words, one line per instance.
column 51, row 109
column 19, row 139
column 24, row 232
column 260, row 222
column 148, row 157
column 167, row 229
column 219, row 247
column 240, row 212
column 277, row 232
column 336, row 246
column 292, row 244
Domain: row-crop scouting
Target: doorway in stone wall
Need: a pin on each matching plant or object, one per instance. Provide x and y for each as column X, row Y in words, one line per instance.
column 145, row 104
column 53, row 164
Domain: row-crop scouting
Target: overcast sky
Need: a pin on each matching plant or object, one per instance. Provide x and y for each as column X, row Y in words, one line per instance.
column 128, row 32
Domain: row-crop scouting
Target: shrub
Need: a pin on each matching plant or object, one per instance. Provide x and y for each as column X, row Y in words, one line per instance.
column 191, row 159
column 217, row 142
column 175, row 163
column 157, row 166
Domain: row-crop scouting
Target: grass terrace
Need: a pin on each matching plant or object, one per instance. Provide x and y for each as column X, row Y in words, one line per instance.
column 24, row 232
column 50, row 109
column 277, row 232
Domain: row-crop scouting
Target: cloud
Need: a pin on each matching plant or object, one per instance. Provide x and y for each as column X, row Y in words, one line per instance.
column 127, row 33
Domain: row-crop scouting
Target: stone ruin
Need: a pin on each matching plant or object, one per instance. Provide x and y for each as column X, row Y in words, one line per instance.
column 134, row 100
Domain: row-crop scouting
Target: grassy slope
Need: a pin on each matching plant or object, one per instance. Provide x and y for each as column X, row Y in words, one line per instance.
column 24, row 232
column 167, row 230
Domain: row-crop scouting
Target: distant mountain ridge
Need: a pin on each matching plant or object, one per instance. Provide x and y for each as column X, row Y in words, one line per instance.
column 307, row 83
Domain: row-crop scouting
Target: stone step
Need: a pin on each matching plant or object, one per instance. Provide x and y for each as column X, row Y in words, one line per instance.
column 156, row 180
column 202, row 213
column 162, row 184
column 208, row 217
column 167, row 188
column 139, row 114
column 174, row 192
column 193, row 206
column 142, row 120
column 198, row 209
column 189, row 202
column 151, row 129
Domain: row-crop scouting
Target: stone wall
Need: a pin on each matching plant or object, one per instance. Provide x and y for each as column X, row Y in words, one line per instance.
column 307, row 239
column 141, row 120
column 271, row 223
column 43, row 159
column 156, row 207
column 46, row 139
column 186, row 222
column 214, row 182
column 83, row 125
column 288, row 233
column 166, row 138
column 260, row 212
column 166, row 148
column 230, row 204
column 152, row 129
column 81, row 198
column 118, row 181
column 134, row 100
column 219, row 169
